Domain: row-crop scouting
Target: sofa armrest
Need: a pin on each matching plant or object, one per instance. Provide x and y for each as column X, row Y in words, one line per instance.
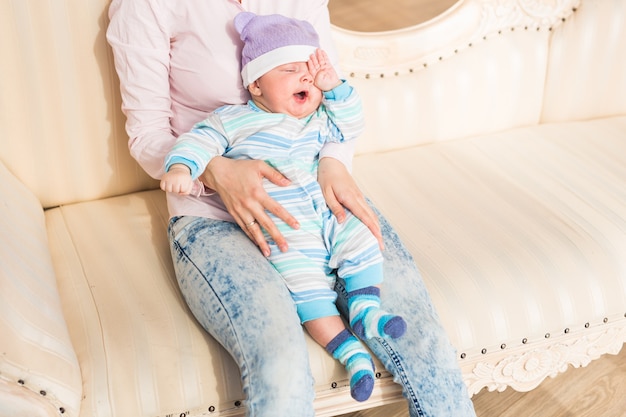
column 20, row 401
column 37, row 359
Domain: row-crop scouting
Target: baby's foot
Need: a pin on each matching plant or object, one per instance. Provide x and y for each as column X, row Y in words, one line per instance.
column 368, row 320
column 350, row 352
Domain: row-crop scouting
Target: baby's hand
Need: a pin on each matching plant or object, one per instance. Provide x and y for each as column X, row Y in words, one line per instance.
column 324, row 74
column 177, row 180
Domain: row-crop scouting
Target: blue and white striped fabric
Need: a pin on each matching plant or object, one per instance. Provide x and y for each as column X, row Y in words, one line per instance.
column 247, row 132
column 292, row 146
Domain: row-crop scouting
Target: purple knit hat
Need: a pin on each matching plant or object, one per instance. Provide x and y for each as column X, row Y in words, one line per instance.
column 272, row 40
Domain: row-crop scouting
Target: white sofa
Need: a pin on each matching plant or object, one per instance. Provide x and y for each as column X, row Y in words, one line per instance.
column 496, row 146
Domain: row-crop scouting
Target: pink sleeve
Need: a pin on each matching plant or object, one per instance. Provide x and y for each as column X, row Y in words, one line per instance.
column 141, row 52
column 342, row 151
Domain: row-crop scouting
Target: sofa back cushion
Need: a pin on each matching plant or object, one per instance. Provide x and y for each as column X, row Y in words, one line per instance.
column 61, row 127
column 477, row 69
column 587, row 68
column 474, row 70
column 485, row 66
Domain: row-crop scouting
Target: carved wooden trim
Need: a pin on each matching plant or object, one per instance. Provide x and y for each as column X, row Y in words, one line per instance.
column 502, row 14
column 524, row 370
column 408, row 50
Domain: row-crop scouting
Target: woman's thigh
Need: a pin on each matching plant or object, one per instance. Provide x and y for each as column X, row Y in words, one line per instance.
column 239, row 298
column 422, row 360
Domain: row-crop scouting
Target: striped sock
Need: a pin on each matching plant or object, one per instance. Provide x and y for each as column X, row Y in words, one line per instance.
column 368, row 320
column 349, row 351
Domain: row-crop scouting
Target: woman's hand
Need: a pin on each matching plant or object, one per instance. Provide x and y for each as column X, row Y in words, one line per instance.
column 240, row 185
column 340, row 190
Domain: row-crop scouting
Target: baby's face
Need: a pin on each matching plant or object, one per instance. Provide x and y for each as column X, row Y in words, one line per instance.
column 287, row 89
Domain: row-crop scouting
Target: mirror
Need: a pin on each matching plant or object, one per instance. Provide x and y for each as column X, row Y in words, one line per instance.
column 379, row 16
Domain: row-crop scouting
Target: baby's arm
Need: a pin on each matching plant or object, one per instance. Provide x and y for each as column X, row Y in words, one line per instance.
column 323, row 72
column 177, row 180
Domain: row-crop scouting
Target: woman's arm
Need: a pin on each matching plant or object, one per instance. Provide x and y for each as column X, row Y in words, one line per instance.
column 140, row 46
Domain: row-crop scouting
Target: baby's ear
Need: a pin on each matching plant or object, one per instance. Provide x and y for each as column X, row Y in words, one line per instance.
column 254, row 88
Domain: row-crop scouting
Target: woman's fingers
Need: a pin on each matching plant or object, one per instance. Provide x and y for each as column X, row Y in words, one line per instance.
column 341, row 191
column 240, row 185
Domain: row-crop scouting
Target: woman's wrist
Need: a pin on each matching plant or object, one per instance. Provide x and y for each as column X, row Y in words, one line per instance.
column 211, row 172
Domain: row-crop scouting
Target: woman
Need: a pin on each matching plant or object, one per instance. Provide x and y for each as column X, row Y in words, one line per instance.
column 179, row 60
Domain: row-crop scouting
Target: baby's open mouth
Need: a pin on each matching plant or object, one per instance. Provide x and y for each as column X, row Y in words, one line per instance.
column 301, row 95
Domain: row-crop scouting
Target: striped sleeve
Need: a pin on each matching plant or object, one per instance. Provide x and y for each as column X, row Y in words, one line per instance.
column 196, row 148
column 345, row 112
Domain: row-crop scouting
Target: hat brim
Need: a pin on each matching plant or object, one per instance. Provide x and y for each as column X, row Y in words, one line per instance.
column 262, row 64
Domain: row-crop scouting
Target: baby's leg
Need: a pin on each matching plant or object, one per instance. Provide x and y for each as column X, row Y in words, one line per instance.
column 368, row 320
column 359, row 261
column 331, row 333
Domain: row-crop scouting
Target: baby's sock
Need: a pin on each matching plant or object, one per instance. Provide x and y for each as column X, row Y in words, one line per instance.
column 368, row 320
column 349, row 351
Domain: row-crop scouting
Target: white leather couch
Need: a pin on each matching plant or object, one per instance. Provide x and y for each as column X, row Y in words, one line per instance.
column 496, row 146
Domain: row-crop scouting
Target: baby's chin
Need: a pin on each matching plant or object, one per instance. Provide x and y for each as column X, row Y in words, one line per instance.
column 302, row 108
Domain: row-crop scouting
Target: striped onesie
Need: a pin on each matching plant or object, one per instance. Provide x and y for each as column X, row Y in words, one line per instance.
column 321, row 246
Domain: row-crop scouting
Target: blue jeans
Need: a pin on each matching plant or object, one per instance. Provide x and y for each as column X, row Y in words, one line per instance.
column 240, row 299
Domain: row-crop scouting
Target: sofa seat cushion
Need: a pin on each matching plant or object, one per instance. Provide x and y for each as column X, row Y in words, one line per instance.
column 519, row 235
column 140, row 350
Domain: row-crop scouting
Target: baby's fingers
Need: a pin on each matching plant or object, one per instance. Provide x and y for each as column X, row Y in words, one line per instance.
column 321, row 57
column 313, row 65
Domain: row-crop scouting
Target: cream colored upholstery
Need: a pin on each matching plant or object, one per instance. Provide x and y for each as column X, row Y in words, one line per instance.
column 62, row 131
column 520, row 236
column 495, row 144
column 36, row 355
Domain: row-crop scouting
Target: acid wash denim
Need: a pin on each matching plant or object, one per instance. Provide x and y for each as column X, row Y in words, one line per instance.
column 240, row 299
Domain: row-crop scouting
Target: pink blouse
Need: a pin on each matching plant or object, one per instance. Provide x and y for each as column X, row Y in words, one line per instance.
column 178, row 60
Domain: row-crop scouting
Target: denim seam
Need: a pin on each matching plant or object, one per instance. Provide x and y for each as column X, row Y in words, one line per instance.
column 400, row 372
